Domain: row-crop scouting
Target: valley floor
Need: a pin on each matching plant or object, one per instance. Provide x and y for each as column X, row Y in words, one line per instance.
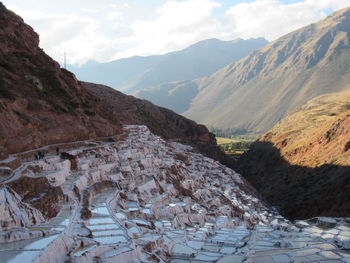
column 138, row 198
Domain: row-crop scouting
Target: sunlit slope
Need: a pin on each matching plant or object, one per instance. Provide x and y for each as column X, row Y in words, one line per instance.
column 259, row 90
column 319, row 133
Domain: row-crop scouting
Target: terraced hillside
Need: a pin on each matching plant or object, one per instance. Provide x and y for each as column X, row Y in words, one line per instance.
column 138, row 198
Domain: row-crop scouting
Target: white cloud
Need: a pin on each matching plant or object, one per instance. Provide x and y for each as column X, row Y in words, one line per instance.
column 89, row 10
column 333, row 4
column 175, row 24
column 120, row 6
column 115, row 15
column 79, row 36
column 272, row 19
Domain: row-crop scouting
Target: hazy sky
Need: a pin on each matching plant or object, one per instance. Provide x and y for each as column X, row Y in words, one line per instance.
column 104, row 30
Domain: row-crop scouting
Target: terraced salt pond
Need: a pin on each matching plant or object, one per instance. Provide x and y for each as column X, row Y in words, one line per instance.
column 24, row 251
column 142, row 199
column 27, row 250
column 105, row 229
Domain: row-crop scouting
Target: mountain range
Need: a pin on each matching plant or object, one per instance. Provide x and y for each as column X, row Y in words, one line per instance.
column 250, row 94
column 262, row 88
column 137, row 73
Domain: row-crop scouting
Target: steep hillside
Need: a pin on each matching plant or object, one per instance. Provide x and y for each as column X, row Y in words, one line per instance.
column 316, row 134
column 259, row 90
column 41, row 104
column 303, row 164
column 198, row 60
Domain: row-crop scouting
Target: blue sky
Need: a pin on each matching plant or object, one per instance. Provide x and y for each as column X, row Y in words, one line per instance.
column 104, row 30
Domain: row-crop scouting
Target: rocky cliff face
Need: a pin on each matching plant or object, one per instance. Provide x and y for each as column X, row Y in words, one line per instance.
column 302, row 165
column 15, row 213
column 41, row 104
column 259, row 90
column 38, row 193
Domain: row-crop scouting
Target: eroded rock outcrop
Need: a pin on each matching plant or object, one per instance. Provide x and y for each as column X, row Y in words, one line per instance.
column 39, row 193
column 15, row 213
